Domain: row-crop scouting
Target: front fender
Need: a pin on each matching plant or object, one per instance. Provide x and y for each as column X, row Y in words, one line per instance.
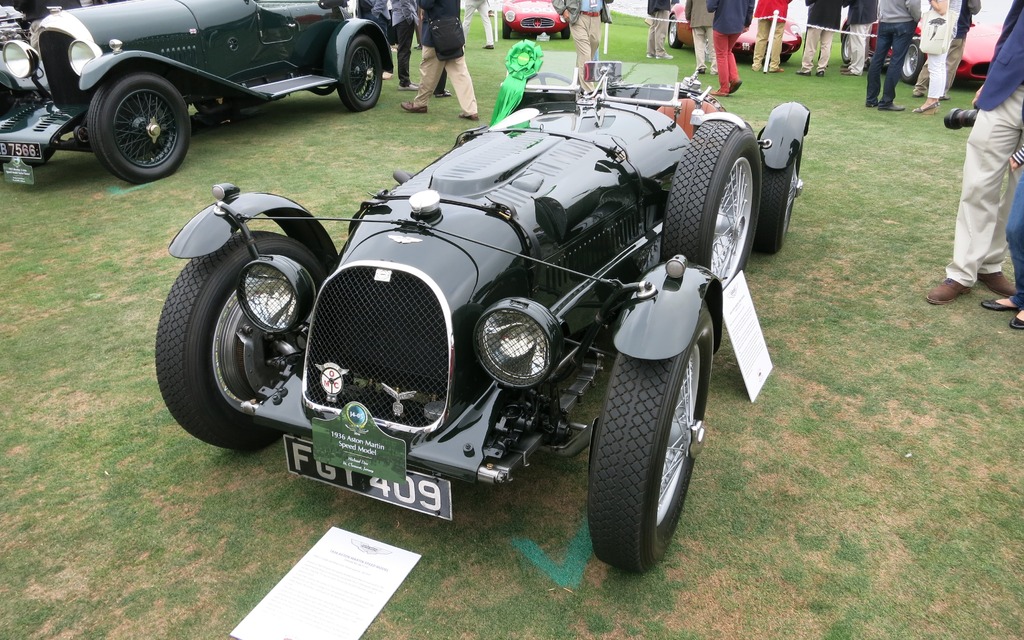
column 786, row 128
column 663, row 326
column 120, row 64
column 337, row 48
column 207, row 231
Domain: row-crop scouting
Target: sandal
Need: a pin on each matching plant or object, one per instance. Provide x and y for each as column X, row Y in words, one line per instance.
column 928, row 109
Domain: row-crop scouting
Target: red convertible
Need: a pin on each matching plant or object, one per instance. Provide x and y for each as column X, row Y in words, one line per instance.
column 978, row 50
column 679, row 35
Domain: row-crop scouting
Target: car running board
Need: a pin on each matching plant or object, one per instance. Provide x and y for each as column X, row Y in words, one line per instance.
column 291, row 85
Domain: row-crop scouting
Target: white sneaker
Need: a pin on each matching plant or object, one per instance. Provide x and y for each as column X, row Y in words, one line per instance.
column 663, row 56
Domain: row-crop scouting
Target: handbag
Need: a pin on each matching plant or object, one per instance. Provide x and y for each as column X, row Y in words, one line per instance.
column 936, row 32
column 448, row 37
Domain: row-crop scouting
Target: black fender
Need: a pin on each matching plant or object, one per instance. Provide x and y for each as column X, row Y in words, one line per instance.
column 786, row 128
column 207, row 231
column 334, row 56
column 111, row 65
column 662, row 327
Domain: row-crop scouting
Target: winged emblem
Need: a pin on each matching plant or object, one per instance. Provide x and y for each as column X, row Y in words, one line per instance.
column 398, row 396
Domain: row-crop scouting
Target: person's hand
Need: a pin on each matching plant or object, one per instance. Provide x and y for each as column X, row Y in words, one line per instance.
column 1014, row 165
column 974, row 102
column 565, row 16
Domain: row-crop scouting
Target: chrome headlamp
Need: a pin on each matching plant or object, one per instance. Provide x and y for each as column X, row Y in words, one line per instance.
column 510, row 16
column 82, row 52
column 518, row 342
column 21, row 59
column 276, row 293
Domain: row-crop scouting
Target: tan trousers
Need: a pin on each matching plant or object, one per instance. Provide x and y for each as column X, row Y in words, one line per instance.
column 656, row 33
column 858, row 47
column 764, row 29
column 817, row 39
column 458, row 75
column 586, row 35
column 979, row 243
column 704, row 49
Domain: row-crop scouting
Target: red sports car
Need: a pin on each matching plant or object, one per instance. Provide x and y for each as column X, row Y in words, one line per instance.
column 679, row 35
column 531, row 17
column 978, row 50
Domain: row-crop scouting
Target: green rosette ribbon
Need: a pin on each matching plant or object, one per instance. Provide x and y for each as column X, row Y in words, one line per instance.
column 523, row 61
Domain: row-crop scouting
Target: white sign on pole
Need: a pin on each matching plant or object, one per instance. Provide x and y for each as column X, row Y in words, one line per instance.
column 333, row 593
column 745, row 333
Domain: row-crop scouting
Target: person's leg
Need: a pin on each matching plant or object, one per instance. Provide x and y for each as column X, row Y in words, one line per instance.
column 902, row 34
column 979, row 242
column 1015, row 241
column 441, row 88
column 661, row 33
column 722, row 55
column 826, row 51
column 924, row 80
column 858, row 47
column 430, row 69
column 463, row 84
column 884, row 41
column 764, row 26
column 467, row 19
column 700, row 47
column 482, row 8
column 652, row 36
column 581, row 40
column 734, row 70
column 811, row 42
column 404, row 31
column 953, row 58
column 776, row 54
column 937, row 72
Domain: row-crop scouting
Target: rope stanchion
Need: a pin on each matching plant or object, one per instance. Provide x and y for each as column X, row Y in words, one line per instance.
column 771, row 41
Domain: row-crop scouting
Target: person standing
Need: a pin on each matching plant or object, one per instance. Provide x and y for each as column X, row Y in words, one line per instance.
column 584, row 18
column 431, row 67
column 1015, row 239
column 979, row 241
column 403, row 17
column 700, row 20
column 764, row 12
column 954, row 55
column 732, row 17
column 823, row 20
column 484, row 9
column 658, row 11
column 897, row 21
column 937, row 61
column 860, row 16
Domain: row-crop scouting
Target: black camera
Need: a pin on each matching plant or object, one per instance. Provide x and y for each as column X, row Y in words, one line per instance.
column 960, row 118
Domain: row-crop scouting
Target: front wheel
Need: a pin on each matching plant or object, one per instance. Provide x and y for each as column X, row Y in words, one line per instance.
column 673, row 32
column 363, row 75
column 912, row 63
column 779, row 191
column 566, row 33
column 844, row 48
column 643, row 451
column 713, row 203
column 139, row 127
column 209, row 357
column 506, row 31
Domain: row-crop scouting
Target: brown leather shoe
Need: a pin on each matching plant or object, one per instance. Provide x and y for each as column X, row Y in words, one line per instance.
column 411, row 108
column 469, row 116
column 948, row 291
column 997, row 283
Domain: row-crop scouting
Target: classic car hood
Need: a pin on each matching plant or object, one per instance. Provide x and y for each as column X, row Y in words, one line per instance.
column 120, row 20
column 531, row 6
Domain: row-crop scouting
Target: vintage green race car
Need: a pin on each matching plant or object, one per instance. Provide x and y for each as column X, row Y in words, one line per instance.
column 118, row 79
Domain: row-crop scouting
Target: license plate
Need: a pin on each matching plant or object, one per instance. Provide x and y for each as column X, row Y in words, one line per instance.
column 23, row 150
column 419, row 492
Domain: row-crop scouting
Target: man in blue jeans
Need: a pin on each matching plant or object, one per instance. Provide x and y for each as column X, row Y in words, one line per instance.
column 897, row 20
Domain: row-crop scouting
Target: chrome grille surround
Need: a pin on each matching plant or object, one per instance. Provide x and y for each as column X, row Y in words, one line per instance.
column 538, row 23
column 413, row 352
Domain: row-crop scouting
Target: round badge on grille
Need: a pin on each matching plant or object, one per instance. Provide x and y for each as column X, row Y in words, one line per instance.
column 332, row 379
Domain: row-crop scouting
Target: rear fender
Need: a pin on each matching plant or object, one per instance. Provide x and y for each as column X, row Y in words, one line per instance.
column 337, row 48
column 207, row 231
column 786, row 128
column 662, row 327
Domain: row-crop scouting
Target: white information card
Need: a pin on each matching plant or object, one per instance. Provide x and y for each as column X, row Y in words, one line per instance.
column 333, row 593
column 745, row 333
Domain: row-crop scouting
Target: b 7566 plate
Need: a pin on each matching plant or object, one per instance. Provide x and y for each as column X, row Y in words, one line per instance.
column 23, row 150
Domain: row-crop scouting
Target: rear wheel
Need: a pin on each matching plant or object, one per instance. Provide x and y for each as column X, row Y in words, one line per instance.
column 712, row 207
column 209, row 357
column 139, row 127
column 778, row 192
column 912, row 63
column 844, row 47
column 673, row 35
column 361, row 85
column 643, row 451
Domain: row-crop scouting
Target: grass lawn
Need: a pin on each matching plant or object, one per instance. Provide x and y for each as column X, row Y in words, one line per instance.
column 874, row 490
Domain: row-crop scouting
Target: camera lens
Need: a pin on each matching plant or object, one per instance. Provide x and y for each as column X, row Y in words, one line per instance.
column 960, row 118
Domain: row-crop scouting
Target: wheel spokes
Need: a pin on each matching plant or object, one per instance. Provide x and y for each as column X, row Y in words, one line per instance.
column 679, row 434
column 733, row 223
column 144, row 128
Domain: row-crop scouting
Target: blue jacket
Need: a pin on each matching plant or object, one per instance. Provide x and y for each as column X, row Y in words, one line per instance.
column 434, row 9
column 862, row 12
column 732, row 16
column 1006, row 72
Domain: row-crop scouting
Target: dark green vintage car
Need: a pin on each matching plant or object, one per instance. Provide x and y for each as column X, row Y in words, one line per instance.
column 118, row 79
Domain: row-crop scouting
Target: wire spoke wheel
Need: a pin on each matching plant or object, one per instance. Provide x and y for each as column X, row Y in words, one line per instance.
column 361, row 74
column 144, row 128
column 733, row 224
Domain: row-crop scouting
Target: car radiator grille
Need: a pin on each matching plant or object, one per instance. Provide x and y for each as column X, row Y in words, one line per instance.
column 538, row 23
column 386, row 329
column 63, row 83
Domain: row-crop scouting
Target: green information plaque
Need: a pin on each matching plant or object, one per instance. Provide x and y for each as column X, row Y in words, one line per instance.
column 353, row 441
column 17, row 172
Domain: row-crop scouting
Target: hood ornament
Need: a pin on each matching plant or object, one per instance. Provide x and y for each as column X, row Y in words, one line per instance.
column 404, row 239
column 397, row 407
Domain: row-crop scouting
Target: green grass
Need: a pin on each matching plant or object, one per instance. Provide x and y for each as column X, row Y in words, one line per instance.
column 874, row 490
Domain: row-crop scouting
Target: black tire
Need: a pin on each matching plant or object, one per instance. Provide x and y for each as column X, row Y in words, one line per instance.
column 566, row 33
column 717, row 186
column 673, row 32
column 201, row 319
column 636, row 490
column 844, row 46
column 506, row 31
column 139, row 127
column 779, row 189
column 912, row 63
column 363, row 75
column 784, row 57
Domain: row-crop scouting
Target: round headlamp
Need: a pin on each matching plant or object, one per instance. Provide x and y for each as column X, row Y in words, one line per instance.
column 518, row 342
column 275, row 292
column 20, row 58
column 81, row 52
column 510, row 16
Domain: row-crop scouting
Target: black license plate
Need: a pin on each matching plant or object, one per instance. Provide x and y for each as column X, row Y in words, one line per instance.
column 23, row 150
column 419, row 492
